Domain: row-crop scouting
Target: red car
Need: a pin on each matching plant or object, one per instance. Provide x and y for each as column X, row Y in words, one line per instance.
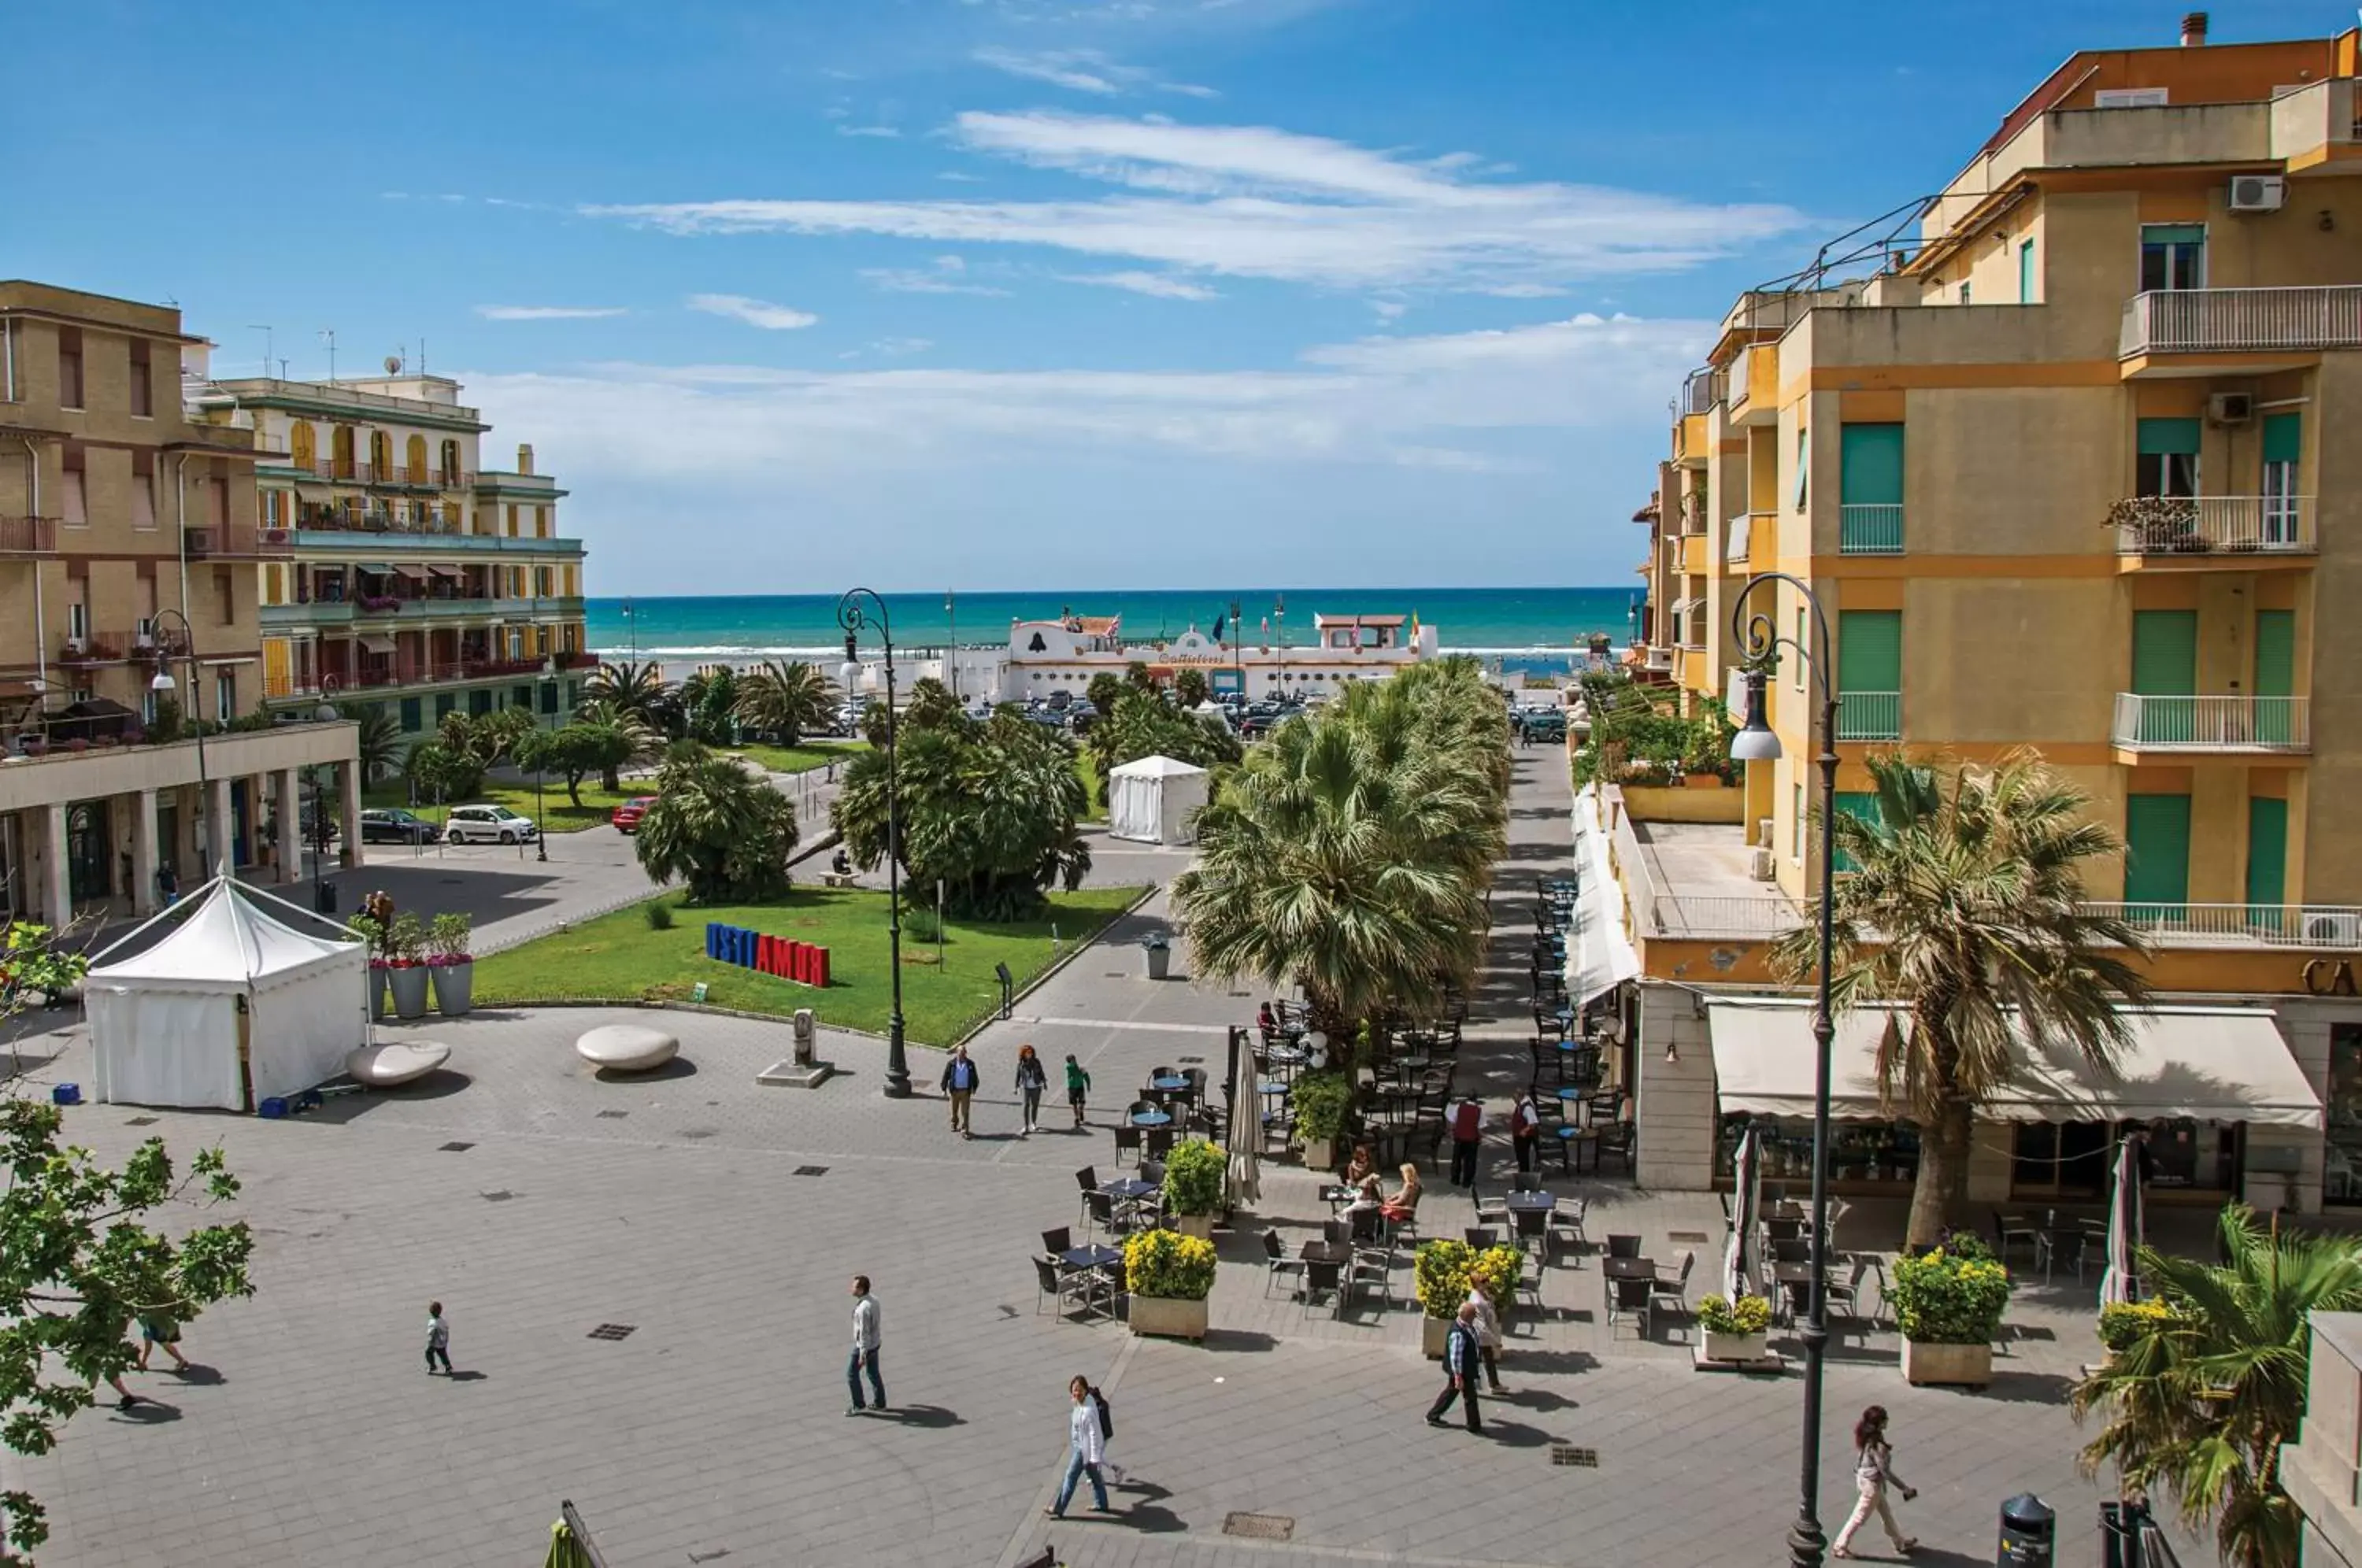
column 626, row 817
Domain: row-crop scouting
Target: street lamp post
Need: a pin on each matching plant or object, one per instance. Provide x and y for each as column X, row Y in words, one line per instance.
column 548, row 684
column 1760, row 638
column 163, row 683
column 854, row 616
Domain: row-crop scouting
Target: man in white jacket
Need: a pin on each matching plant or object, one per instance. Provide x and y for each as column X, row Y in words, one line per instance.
column 866, row 1317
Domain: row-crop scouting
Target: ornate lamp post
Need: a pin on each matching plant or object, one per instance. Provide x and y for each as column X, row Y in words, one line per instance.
column 162, row 683
column 854, row 617
column 1759, row 636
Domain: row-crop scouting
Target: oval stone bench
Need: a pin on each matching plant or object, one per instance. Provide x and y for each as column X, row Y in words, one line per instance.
column 626, row 1047
column 382, row 1066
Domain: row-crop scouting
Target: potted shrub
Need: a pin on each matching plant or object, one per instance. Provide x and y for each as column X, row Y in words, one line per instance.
column 1733, row 1330
column 1444, row 1270
column 405, row 943
column 371, row 932
column 1168, row 1277
column 1949, row 1302
column 2124, row 1322
column 1323, row 1102
column 453, row 966
column 1194, row 1174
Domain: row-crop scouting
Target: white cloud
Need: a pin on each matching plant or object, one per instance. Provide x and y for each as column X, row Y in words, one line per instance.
column 947, row 276
column 1083, row 71
column 887, row 133
column 1156, row 285
column 1252, row 201
column 546, row 312
column 754, row 313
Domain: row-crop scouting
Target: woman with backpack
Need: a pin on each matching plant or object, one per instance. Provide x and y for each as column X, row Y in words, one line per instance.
column 1874, row 1469
column 1089, row 1426
column 1031, row 1081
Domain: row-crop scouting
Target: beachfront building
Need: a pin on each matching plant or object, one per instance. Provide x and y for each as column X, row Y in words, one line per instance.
column 2070, row 467
column 129, row 552
column 410, row 578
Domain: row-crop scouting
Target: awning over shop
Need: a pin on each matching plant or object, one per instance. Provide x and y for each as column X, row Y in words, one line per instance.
column 445, row 570
column 415, row 574
column 376, row 644
column 1599, row 956
column 2205, row 1064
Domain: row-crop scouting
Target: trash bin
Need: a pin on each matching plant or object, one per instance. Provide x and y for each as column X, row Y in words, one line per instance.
column 1160, row 954
column 2117, row 1549
column 323, row 897
column 2027, row 1530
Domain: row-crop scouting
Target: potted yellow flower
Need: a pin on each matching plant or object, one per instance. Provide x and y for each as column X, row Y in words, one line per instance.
column 1733, row 1330
column 1168, row 1277
column 1949, row 1303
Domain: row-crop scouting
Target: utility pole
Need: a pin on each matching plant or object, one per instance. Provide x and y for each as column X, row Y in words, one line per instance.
column 268, row 346
column 328, row 336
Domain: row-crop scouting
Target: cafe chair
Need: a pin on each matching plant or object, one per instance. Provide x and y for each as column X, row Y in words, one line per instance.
column 1087, row 1178
column 1623, row 1246
column 1671, row 1292
column 1127, row 1137
column 1320, row 1276
column 1276, row 1263
column 1481, row 1236
column 1057, row 1241
column 1566, row 1224
column 1087, row 1290
column 1628, row 1299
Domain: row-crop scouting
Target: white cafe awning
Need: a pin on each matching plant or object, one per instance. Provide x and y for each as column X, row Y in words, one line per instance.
column 1599, row 956
column 2205, row 1064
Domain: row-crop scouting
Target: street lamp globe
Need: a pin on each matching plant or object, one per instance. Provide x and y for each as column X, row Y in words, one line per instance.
column 1755, row 741
column 162, row 682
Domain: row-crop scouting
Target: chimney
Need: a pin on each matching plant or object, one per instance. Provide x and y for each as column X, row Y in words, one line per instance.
column 525, row 452
column 2193, row 30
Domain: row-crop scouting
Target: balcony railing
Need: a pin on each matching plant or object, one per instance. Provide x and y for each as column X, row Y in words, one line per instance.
column 2211, row 723
column 2203, row 321
column 2231, row 925
column 1702, row 390
column 105, row 648
column 234, row 541
column 1870, row 715
column 392, row 473
column 28, row 535
column 2213, row 524
column 1869, row 529
column 339, row 519
column 1721, row 914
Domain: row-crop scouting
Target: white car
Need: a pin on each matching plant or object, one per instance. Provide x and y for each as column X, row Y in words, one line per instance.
column 488, row 824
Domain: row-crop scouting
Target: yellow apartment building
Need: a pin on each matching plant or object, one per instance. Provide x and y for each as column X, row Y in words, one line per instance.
column 2070, row 464
column 409, row 576
column 129, row 554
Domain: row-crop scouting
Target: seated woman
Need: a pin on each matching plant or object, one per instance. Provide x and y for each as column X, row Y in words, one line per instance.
column 1361, row 1170
column 1405, row 1202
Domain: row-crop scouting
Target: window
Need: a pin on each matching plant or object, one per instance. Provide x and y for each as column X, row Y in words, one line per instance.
column 414, row 460
column 2166, row 463
column 341, row 451
column 77, row 619
column 1870, row 675
column 450, row 474
column 2275, row 675
column 450, row 517
column 1797, row 824
column 2025, row 279
column 226, row 694
column 69, row 366
column 2173, row 256
column 520, row 697
column 512, row 520
column 2156, row 849
column 412, row 711
column 301, row 452
column 273, row 592
column 480, row 701
column 2343, row 1183
column 1797, row 671
column 2283, row 442
column 2267, row 858
column 143, row 489
column 381, row 455
column 225, row 591
column 73, row 502
column 444, row 702
column 549, row 697
column 1870, row 489
column 143, row 381
column 1803, row 464
column 1863, row 803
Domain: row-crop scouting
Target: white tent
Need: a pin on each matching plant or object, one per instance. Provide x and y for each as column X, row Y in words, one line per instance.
column 229, row 1003
column 1152, row 800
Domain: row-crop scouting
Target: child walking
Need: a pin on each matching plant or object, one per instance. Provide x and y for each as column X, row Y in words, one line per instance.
column 1079, row 1085
column 438, row 1340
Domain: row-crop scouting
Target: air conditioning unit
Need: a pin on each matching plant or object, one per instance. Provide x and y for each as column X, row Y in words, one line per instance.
column 2257, row 192
column 1759, row 866
column 2230, row 408
column 2332, row 928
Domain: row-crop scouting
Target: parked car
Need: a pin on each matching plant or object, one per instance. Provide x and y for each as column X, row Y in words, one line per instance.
column 626, row 817
column 392, row 825
column 1542, row 724
column 488, row 824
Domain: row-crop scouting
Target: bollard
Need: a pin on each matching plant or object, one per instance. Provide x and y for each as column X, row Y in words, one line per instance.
column 2027, row 1530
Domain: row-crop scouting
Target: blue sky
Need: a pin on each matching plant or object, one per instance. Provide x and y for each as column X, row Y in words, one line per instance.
column 1009, row 294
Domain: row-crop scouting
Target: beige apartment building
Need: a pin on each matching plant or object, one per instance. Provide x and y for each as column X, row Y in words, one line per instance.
column 2068, row 463
column 129, row 553
column 409, row 577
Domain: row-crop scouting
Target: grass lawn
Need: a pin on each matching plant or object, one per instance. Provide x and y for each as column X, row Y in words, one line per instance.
column 620, row 957
column 557, row 813
column 801, row 759
column 1087, row 771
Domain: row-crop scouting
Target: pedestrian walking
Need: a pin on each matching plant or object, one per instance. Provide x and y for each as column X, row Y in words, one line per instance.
column 1031, row 1081
column 959, row 1084
column 1461, row 1354
column 160, row 1329
column 1467, row 1136
column 168, row 884
column 1874, row 1470
column 864, row 1349
column 1488, row 1335
column 1089, row 1425
column 438, row 1339
column 1526, row 1129
column 1078, row 1087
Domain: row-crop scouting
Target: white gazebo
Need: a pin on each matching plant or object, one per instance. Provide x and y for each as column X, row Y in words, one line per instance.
column 227, row 1008
column 1152, row 800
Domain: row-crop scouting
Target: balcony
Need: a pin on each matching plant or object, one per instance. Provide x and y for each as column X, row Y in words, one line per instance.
column 2221, row 321
column 1722, row 915
column 1870, row 530
column 1702, row 390
column 373, row 520
column 105, row 649
column 28, row 535
column 2213, row 530
column 2331, row 926
column 401, row 474
column 236, row 541
column 2211, row 723
column 1870, row 715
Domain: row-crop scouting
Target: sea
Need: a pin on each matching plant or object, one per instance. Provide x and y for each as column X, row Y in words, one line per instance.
column 1530, row 629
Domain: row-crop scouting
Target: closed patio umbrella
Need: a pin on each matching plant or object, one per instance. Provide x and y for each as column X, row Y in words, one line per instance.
column 565, row 1548
column 2124, row 1225
column 1246, row 1124
column 1739, row 1262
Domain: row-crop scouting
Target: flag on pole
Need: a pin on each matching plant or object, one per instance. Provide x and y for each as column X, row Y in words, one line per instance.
column 1219, row 621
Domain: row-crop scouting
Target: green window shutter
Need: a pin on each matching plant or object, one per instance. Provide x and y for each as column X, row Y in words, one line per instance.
column 2159, row 436
column 2173, row 234
column 2026, row 272
column 2156, row 849
column 2284, row 438
column 2165, row 652
column 1871, row 465
column 410, row 714
column 1870, row 650
column 1863, row 803
column 2275, row 653
column 2267, row 853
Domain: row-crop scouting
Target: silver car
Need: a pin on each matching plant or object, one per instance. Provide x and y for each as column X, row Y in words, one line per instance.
column 488, row 824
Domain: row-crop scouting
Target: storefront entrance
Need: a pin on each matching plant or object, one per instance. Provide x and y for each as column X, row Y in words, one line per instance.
column 89, row 876
column 2074, row 1161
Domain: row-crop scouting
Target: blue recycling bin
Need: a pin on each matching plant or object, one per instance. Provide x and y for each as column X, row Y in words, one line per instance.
column 712, row 939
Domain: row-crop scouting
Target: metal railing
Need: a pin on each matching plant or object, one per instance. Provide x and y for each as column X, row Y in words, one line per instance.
column 1870, row 528
column 2199, row 321
column 2211, row 723
column 334, row 520
column 2333, row 926
column 1702, row 390
column 105, row 648
column 2213, row 524
column 230, row 541
column 359, row 472
column 1725, row 914
column 28, row 535
column 1870, row 715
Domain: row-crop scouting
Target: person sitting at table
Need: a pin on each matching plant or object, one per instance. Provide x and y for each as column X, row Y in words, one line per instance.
column 1361, row 1170
column 1266, row 1021
column 1404, row 1204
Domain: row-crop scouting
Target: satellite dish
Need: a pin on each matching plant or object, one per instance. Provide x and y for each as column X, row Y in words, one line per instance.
column 393, row 364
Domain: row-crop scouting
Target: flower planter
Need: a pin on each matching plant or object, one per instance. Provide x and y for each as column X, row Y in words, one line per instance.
column 409, row 987
column 455, row 987
column 1198, row 1225
column 1169, row 1315
column 1732, row 1347
column 1968, row 1366
column 1320, row 1154
column 381, row 1003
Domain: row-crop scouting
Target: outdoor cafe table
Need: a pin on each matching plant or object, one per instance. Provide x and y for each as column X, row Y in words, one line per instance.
column 1530, row 1203
column 1612, row 1269
column 1126, row 1189
column 1169, row 1082
column 1337, row 1196
column 1319, row 1251
column 1151, row 1119
column 1092, row 1257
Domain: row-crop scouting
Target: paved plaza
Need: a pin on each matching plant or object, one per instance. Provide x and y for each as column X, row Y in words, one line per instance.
column 720, row 1220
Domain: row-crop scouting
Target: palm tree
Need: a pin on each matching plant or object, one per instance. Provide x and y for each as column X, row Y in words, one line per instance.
column 1190, row 688
column 2199, row 1401
column 785, row 700
column 378, row 737
column 639, row 690
column 1964, row 914
column 728, row 837
column 616, row 740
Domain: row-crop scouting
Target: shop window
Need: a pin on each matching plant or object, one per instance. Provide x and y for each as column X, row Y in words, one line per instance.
column 2342, row 1175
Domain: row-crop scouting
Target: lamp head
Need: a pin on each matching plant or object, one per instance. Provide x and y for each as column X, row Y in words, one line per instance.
column 1755, row 741
column 162, row 682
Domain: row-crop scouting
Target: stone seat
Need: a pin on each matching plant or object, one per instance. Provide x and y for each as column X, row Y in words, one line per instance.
column 382, row 1066
column 626, row 1047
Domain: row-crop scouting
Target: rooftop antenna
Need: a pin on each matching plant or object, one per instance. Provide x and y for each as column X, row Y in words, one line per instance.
column 328, row 336
column 267, row 348
column 422, row 354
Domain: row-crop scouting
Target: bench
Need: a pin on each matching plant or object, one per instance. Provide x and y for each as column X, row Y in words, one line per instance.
column 626, row 1047
column 836, row 879
column 382, row 1066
